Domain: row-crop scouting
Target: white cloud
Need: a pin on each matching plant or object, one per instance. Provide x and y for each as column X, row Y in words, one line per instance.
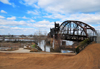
column 12, row 23
column 11, row 18
column 13, row 4
column 7, row 2
column 16, row 30
column 3, row 27
column 70, row 6
column 19, row 28
column 98, row 28
column 44, row 24
column 32, row 20
column 2, row 11
column 65, row 6
column 88, row 18
column 2, row 17
column 30, row 3
column 24, row 17
column 23, row 27
column 35, row 12
column 39, row 24
column 55, row 16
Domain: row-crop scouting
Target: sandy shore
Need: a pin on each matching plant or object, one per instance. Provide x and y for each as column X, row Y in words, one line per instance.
column 89, row 58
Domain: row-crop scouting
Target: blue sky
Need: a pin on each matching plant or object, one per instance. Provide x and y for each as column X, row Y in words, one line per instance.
column 28, row 16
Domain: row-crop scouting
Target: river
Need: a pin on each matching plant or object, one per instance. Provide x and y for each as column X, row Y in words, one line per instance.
column 42, row 44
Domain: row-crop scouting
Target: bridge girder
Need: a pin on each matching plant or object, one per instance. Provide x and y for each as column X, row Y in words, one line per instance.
column 73, row 30
column 78, row 28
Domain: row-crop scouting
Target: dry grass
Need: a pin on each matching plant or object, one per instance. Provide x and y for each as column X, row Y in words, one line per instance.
column 11, row 46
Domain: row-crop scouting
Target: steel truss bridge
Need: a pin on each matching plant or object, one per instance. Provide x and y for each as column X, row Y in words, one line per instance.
column 73, row 30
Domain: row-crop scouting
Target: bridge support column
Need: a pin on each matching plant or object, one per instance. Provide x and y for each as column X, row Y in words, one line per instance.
column 98, row 39
column 63, row 44
column 57, row 46
column 3, row 39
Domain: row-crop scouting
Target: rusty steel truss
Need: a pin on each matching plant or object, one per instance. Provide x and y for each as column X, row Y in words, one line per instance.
column 73, row 30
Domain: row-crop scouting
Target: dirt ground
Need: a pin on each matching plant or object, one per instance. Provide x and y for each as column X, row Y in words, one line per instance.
column 89, row 58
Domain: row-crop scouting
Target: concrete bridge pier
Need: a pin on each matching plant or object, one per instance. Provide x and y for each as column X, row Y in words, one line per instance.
column 57, row 46
column 98, row 39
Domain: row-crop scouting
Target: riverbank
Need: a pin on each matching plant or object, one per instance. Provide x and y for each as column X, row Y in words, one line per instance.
column 25, row 51
column 89, row 58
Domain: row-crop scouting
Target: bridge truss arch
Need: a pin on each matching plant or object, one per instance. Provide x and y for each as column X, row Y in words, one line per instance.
column 75, row 30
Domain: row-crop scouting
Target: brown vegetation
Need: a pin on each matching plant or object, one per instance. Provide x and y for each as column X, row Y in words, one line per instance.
column 10, row 46
column 89, row 58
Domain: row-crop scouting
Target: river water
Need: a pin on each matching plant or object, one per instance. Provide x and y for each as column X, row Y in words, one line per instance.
column 42, row 44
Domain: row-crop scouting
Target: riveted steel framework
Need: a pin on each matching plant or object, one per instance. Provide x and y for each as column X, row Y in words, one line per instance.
column 75, row 31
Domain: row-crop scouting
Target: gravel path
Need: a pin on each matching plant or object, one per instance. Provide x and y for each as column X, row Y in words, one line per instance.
column 20, row 50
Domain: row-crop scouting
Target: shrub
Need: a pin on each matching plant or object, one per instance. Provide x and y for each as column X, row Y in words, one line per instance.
column 82, row 44
column 33, row 46
column 77, row 50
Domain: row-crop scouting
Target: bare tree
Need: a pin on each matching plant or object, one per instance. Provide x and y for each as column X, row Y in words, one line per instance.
column 45, row 38
column 38, row 36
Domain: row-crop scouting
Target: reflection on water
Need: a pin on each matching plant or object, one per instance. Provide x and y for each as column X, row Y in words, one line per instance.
column 68, row 42
column 4, row 48
column 18, row 40
column 42, row 44
column 66, row 51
